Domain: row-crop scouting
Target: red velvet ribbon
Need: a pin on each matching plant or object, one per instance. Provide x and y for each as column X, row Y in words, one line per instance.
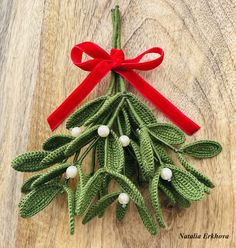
column 100, row 64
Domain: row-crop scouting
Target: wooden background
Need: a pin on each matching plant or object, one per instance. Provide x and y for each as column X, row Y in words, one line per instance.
column 198, row 74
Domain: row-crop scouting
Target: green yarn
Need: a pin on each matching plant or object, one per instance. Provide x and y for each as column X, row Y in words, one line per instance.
column 146, row 152
column 160, row 150
column 71, row 207
column 56, row 141
column 168, row 192
column 202, row 149
column 147, row 219
column 136, row 150
column 167, row 133
column 131, row 167
column 153, row 190
column 181, row 201
column 103, row 191
column 203, row 179
column 128, row 187
column 143, row 112
column 86, row 137
column 120, row 211
column 26, row 187
column 100, row 206
column 55, row 156
column 186, row 184
column 174, row 197
column 83, row 179
column 38, row 199
column 110, row 103
column 51, row 174
column 100, row 148
column 89, row 191
column 80, row 116
column 113, row 153
column 30, row 161
column 123, row 121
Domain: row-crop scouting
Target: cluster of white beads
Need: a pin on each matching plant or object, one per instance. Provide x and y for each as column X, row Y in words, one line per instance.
column 166, row 174
column 123, row 199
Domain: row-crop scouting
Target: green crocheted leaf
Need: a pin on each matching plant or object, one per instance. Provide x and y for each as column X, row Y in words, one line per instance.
column 186, row 184
column 147, row 155
column 165, row 158
column 26, row 187
column 89, row 191
column 181, row 201
column 38, row 199
column 167, row 192
column 124, row 122
column 56, row 141
column 120, row 211
column 137, row 154
column 83, row 179
column 144, row 113
column 55, row 156
column 30, row 161
column 128, row 187
column 71, row 207
column 203, row 179
column 103, row 191
column 100, row 206
column 173, row 196
column 80, row 116
column 202, row 149
column 153, row 190
column 147, row 219
column 114, row 153
column 130, row 168
column 136, row 150
column 167, row 133
column 110, row 104
column 85, row 138
column 45, row 177
column 100, row 148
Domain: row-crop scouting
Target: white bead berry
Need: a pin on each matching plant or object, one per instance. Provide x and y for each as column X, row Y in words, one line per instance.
column 124, row 140
column 166, row 174
column 71, row 171
column 123, row 198
column 75, row 131
column 103, row 131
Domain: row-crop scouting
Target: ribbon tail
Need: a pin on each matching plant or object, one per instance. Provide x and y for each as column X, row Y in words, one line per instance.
column 161, row 102
column 78, row 95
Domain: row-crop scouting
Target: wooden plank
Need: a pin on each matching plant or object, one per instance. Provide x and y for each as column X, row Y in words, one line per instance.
column 20, row 28
column 198, row 74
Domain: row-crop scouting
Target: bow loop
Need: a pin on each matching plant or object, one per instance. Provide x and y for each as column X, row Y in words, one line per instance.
column 147, row 65
column 91, row 49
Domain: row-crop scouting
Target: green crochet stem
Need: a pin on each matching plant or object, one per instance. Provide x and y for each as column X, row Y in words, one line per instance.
column 152, row 146
column 117, row 82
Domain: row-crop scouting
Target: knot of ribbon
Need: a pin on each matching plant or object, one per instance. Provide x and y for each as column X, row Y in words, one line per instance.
column 100, row 64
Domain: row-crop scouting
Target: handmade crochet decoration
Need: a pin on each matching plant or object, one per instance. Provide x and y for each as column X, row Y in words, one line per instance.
column 127, row 144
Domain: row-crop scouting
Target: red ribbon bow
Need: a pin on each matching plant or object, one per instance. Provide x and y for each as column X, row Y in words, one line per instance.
column 100, row 65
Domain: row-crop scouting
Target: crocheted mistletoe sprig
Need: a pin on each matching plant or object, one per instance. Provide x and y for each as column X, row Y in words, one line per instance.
column 128, row 146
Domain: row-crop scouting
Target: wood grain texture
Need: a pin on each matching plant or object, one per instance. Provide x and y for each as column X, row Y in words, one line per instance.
column 198, row 75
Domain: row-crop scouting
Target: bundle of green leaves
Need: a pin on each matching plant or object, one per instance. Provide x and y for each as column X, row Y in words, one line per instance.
column 135, row 150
